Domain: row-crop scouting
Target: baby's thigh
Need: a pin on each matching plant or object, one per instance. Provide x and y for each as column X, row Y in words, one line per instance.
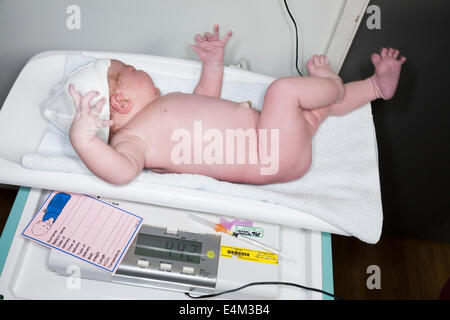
column 293, row 138
column 295, row 163
column 292, row 166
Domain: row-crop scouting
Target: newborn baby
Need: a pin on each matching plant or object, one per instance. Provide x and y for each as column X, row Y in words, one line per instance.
column 200, row 133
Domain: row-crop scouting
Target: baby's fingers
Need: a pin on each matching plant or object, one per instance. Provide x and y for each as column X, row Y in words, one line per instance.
column 227, row 36
column 215, row 35
column 107, row 123
column 104, row 123
column 207, row 36
column 98, row 106
column 196, row 49
column 198, row 38
column 86, row 101
column 75, row 96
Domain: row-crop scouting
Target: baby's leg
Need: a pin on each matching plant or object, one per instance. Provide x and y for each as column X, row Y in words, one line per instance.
column 321, row 88
column 286, row 101
column 297, row 106
column 357, row 94
column 382, row 84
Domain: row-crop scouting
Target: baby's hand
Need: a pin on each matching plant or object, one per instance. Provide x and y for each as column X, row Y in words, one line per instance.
column 209, row 48
column 86, row 122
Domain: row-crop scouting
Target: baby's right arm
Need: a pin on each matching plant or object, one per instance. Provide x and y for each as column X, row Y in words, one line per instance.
column 116, row 164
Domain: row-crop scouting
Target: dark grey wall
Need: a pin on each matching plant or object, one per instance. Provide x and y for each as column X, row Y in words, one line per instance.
column 413, row 129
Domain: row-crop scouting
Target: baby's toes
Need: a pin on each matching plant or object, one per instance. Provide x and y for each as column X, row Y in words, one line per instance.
column 321, row 59
column 396, row 53
column 311, row 65
column 317, row 61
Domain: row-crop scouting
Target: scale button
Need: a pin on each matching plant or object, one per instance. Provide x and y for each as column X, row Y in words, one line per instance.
column 165, row 266
column 188, row 270
column 143, row 263
column 171, row 230
column 211, row 254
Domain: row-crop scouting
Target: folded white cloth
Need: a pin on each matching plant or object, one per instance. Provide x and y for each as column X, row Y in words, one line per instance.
column 342, row 186
column 60, row 109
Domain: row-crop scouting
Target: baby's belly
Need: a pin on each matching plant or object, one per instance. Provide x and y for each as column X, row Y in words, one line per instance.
column 202, row 135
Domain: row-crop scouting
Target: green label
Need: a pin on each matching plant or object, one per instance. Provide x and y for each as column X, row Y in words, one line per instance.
column 250, row 231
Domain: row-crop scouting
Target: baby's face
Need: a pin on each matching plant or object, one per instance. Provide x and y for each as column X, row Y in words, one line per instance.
column 130, row 90
column 135, row 85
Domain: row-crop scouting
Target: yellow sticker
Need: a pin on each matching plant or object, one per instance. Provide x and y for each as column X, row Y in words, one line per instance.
column 250, row 255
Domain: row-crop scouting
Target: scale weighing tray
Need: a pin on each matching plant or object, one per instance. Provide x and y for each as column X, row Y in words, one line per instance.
column 26, row 273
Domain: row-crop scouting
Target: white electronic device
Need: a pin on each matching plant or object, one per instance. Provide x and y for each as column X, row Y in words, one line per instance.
column 29, row 271
column 173, row 252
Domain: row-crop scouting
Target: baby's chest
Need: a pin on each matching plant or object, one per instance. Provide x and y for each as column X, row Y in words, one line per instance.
column 193, row 115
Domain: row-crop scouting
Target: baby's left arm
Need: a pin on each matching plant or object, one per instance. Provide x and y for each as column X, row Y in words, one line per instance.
column 210, row 49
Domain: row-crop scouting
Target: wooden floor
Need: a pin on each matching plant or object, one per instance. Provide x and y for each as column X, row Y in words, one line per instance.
column 409, row 268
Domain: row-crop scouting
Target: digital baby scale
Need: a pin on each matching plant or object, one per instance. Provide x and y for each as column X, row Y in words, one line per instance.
column 170, row 255
column 173, row 252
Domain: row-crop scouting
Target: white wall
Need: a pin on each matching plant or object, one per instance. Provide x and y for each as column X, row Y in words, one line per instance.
column 263, row 32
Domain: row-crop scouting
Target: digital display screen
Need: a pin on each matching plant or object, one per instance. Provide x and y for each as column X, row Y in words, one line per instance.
column 168, row 248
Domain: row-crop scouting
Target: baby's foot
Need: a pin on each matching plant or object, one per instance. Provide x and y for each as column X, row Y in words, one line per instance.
column 318, row 66
column 387, row 71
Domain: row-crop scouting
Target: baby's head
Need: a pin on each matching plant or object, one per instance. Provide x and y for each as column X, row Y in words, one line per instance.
column 130, row 90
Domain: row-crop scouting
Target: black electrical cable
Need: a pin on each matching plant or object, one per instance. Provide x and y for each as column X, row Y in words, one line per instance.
column 263, row 283
column 296, row 37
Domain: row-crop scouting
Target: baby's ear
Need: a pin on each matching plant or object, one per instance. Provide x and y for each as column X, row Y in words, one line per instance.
column 120, row 103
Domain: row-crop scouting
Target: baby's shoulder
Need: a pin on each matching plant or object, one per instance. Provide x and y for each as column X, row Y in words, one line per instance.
column 167, row 99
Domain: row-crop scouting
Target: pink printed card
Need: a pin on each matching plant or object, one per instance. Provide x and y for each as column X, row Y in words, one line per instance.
column 85, row 228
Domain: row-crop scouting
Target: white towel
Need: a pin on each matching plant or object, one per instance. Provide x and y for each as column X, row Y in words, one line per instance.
column 342, row 186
